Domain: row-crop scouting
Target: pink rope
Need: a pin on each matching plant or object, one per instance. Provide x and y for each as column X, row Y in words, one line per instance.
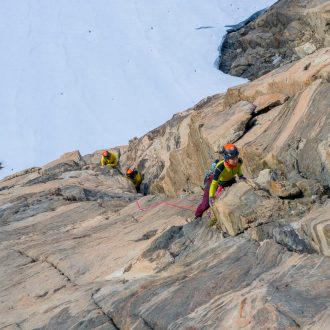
column 183, row 207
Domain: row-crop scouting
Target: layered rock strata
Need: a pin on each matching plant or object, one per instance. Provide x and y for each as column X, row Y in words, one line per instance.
column 103, row 257
column 65, row 231
column 80, row 249
column 280, row 121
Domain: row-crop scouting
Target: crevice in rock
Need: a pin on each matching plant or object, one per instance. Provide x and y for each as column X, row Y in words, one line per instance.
column 292, row 197
column 42, row 295
column 82, row 236
column 287, row 316
column 110, row 319
column 326, row 191
column 6, row 187
column 267, row 109
column 60, row 272
column 49, row 263
column 59, row 288
column 147, row 235
column 306, row 67
column 32, row 260
column 12, row 324
column 297, row 167
column 250, row 124
column 147, row 324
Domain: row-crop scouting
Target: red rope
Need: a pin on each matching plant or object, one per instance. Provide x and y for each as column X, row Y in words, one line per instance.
column 184, row 207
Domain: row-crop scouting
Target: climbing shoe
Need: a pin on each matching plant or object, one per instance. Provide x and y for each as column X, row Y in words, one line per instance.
column 193, row 220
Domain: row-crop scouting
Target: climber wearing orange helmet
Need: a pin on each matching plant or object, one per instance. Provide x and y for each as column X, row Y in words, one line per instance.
column 226, row 170
column 135, row 177
column 223, row 176
column 109, row 159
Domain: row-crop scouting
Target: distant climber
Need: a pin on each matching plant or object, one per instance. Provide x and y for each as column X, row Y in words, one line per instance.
column 109, row 159
column 135, row 176
column 224, row 176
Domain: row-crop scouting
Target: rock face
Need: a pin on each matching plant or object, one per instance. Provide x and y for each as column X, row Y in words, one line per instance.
column 288, row 30
column 224, row 283
column 62, row 238
column 276, row 121
column 83, row 251
column 192, row 140
column 79, row 249
column 235, row 213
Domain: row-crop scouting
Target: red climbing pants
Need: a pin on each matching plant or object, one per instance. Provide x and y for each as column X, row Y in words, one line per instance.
column 204, row 204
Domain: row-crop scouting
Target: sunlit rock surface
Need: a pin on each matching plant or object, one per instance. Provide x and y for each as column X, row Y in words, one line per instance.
column 80, row 249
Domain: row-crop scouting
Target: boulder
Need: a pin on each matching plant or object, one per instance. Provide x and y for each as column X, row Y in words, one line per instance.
column 290, row 238
column 277, row 184
column 305, row 49
column 241, row 207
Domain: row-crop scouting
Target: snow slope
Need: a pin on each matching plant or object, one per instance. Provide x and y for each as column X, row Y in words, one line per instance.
column 90, row 74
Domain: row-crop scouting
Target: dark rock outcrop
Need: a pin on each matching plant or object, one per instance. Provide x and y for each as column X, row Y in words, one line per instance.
column 287, row 31
column 289, row 238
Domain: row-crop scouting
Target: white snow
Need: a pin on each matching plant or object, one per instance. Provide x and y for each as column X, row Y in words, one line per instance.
column 89, row 74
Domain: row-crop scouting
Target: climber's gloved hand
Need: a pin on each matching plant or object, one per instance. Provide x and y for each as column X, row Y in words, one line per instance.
column 211, row 201
column 242, row 178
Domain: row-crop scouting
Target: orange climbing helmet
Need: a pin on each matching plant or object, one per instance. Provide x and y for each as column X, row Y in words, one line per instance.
column 105, row 153
column 129, row 171
column 229, row 151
